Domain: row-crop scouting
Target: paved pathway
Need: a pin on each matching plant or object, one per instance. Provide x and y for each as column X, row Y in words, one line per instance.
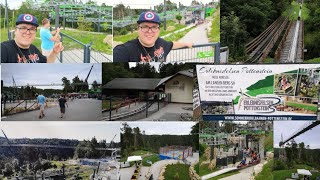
column 197, row 35
column 78, row 110
column 77, row 56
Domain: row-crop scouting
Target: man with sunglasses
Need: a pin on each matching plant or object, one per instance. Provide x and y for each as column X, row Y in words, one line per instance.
column 21, row 50
column 148, row 47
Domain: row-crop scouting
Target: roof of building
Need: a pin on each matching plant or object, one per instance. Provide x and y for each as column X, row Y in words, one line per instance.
column 133, row 83
column 142, row 83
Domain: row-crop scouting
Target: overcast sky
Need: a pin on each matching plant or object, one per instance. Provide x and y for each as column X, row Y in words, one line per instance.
column 159, row 128
column 288, row 128
column 62, row 130
column 47, row 74
column 15, row 4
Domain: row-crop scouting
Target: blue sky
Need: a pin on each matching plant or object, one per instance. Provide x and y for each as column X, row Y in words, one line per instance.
column 47, row 74
column 288, row 128
column 62, row 130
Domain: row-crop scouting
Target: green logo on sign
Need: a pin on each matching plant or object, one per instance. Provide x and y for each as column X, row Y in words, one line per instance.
column 205, row 54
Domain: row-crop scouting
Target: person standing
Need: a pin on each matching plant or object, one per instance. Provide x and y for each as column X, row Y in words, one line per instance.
column 148, row 47
column 41, row 102
column 21, row 49
column 47, row 38
column 62, row 104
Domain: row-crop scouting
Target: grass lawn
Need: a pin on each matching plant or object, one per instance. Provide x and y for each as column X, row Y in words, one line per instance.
column 310, row 107
column 283, row 174
column 182, row 169
column 140, row 153
column 266, row 173
column 214, row 35
column 153, row 158
column 315, row 60
column 177, row 36
column 86, row 37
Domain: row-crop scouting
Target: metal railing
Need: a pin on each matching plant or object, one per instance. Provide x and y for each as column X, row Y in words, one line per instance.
column 209, row 53
column 84, row 53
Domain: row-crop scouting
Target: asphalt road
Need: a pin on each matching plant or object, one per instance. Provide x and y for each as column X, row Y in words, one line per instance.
column 78, row 110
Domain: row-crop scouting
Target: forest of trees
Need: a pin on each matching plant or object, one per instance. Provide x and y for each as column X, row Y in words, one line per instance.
column 243, row 20
column 132, row 139
column 297, row 154
column 312, row 30
column 13, row 159
column 144, row 70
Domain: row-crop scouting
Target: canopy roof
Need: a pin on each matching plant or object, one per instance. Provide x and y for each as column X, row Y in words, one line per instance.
column 134, row 158
column 304, row 172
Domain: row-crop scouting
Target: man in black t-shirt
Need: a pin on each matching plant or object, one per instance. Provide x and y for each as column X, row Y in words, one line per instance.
column 62, row 104
column 148, row 47
column 21, row 50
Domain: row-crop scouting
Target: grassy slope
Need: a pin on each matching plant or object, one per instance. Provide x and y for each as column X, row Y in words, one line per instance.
column 182, row 169
column 266, row 173
column 215, row 27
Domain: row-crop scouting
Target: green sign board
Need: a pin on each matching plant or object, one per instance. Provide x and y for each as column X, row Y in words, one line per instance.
column 205, row 54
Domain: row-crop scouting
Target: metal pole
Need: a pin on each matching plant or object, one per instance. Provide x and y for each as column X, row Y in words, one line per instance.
column 61, row 56
column 164, row 14
column 110, row 104
column 57, row 16
column 217, row 54
column 6, row 17
column 86, row 53
column 99, row 22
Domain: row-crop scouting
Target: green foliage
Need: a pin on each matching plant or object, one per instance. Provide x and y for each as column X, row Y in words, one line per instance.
column 266, row 173
column 214, row 34
column 283, row 174
column 152, row 158
column 178, row 17
column 180, row 171
column 176, row 176
column 312, row 29
column 123, row 32
column 234, row 36
column 279, row 165
column 84, row 25
column 268, row 143
column 310, row 107
column 242, row 21
column 202, row 148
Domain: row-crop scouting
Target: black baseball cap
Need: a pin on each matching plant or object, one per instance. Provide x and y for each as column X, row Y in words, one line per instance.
column 27, row 19
column 149, row 16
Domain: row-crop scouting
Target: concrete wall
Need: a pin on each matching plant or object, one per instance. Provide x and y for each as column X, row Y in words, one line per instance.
column 180, row 88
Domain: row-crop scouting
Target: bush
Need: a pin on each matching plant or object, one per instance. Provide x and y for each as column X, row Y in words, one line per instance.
column 123, row 32
column 279, row 165
column 176, row 176
column 202, row 148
